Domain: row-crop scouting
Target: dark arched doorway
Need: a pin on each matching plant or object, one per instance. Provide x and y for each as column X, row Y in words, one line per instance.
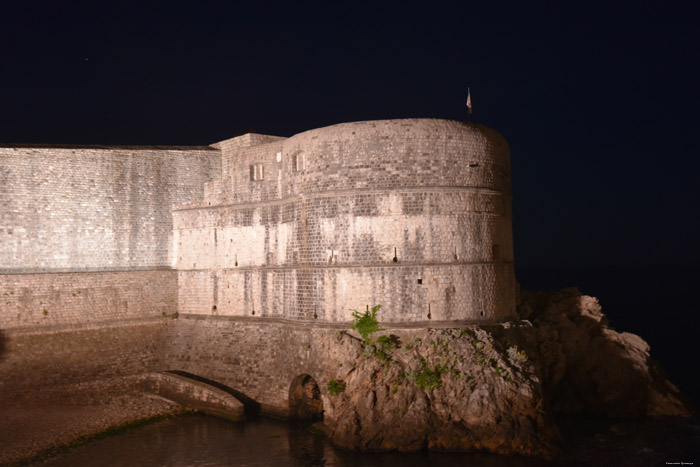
column 305, row 399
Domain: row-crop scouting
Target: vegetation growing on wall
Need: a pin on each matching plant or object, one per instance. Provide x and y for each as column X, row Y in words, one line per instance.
column 366, row 323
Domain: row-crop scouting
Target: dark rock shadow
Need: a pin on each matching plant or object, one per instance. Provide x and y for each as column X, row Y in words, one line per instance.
column 305, row 402
column 3, row 345
column 592, row 369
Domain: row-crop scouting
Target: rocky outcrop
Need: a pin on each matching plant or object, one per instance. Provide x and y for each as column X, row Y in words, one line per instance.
column 452, row 389
column 494, row 388
column 589, row 367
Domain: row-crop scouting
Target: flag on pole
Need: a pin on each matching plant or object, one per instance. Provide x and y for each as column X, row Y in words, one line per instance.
column 469, row 100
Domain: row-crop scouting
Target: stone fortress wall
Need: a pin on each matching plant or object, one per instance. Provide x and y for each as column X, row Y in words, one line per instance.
column 85, row 254
column 316, row 235
column 71, row 212
column 101, row 246
column 95, row 208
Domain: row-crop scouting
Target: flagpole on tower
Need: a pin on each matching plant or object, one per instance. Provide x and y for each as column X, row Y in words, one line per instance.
column 469, row 100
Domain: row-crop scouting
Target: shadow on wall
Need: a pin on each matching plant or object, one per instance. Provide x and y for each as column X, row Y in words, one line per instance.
column 251, row 407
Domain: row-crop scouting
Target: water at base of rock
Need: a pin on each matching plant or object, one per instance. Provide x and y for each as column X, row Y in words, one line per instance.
column 198, row 440
column 207, row 441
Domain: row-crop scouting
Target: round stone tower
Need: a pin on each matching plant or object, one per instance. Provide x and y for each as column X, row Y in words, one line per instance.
column 411, row 214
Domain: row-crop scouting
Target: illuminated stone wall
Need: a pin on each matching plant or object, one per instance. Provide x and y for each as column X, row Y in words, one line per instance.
column 101, row 246
column 410, row 214
column 95, row 208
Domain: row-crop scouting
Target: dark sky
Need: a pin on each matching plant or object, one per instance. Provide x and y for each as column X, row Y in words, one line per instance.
column 599, row 103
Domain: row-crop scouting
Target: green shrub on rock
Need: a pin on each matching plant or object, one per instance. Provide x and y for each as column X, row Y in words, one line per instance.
column 335, row 387
column 388, row 342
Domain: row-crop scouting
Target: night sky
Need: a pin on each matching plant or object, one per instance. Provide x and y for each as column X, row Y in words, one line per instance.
column 599, row 104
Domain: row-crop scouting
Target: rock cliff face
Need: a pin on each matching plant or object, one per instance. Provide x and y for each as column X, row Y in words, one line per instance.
column 495, row 387
column 589, row 367
column 471, row 388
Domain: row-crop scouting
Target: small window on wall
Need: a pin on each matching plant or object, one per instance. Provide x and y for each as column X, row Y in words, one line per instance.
column 257, row 172
column 300, row 162
column 496, row 252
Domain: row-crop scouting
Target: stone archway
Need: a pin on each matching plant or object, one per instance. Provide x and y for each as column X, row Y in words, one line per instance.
column 305, row 399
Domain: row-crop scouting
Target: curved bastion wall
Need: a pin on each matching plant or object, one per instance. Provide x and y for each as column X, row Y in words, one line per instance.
column 410, row 214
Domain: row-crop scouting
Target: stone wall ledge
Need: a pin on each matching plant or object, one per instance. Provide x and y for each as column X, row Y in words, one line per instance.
column 104, row 146
column 315, row 324
column 383, row 265
column 14, row 271
column 60, row 328
column 295, row 197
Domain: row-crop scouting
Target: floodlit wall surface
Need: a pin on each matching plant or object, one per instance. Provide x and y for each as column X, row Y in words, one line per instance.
column 84, row 208
column 69, row 300
column 410, row 214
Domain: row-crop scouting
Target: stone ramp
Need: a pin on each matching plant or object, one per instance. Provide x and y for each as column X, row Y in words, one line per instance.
column 43, row 419
column 193, row 392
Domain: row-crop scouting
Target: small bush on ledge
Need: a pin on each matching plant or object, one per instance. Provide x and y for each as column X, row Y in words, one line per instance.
column 366, row 323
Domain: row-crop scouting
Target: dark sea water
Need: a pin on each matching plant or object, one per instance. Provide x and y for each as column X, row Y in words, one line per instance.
column 197, row 440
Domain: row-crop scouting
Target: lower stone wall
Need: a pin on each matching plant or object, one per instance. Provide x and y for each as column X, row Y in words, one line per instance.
column 44, row 301
column 259, row 358
column 475, row 292
column 63, row 328
column 31, row 360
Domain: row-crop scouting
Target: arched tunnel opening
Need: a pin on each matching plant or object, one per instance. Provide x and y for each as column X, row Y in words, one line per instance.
column 305, row 403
